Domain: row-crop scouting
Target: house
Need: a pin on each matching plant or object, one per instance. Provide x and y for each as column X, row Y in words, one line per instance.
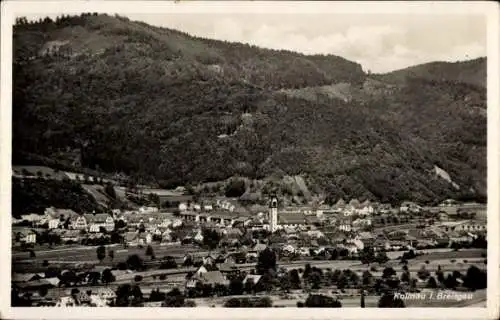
column 66, row 302
column 106, row 294
column 292, row 219
column 26, row 277
column 259, row 247
column 198, row 237
column 70, row 235
column 211, row 258
column 62, row 214
column 408, row 206
column 214, row 278
column 82, row 298
column 32, row 217
column 228, row 269
column 54, row 281
column 79, row 223
column 34, row 285
column 94, row 227
column 27, row 236
column 183, row 206
column 204, row 269
column 130, row 237
column 54, row 223
column 347, row 227
column 339, row 206
column 254, row 278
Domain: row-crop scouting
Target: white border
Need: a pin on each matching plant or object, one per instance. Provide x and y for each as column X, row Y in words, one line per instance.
column 489, row 9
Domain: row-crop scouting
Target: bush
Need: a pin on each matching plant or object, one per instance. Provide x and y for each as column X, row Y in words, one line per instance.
column 235, row 189
column 322, row 301
column 138, row 278
column 390, row 301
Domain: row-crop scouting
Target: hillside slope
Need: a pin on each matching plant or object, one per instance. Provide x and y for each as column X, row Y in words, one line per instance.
column 471, row 72
column 165, row 106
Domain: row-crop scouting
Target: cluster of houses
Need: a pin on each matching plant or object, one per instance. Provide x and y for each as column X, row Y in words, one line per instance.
column 147, row 225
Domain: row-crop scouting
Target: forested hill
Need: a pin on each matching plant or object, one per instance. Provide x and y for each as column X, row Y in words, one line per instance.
column 471, row 72
column 162, row 105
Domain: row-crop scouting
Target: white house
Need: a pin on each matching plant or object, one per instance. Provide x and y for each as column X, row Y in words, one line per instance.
column 54, row 223
column 79, row 223
column 177, row 223
column 28, row 236
column 165, row 223
column 66, row 302
column 198, row 237
column 183, row 206
column 94, row 227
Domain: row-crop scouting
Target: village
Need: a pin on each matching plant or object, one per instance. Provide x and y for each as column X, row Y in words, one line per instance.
column 217, row 252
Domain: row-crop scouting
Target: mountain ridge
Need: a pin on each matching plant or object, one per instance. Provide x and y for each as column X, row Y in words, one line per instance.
column 167, row 107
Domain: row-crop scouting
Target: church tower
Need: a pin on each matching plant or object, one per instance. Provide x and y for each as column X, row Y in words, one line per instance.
column 273, row 214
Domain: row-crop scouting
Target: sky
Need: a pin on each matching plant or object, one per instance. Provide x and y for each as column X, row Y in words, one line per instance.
column 379, row 42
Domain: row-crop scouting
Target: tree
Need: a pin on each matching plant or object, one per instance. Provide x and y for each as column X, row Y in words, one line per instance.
column 362, row 302
column 266, row 261
column 450, row 282
column 367, row 278
column 235, row 189
column 423, row 273
column 101, row 253
column 149, row 251
column 236, row 286
column 322, row 301
column 168, row 263
column 405, row 277
column 188, row 261
column 157, row 295
column 390, row 301
column 249, row 286
column 367, row 255
column 382, row 257
column 211, row 238
column 134, row 262
column 111, row 254
column 431, row 283
column 107, row 276
column 294, row 279
column 388, row 272
column 120, row 224
column 475, row 278
column 43, row 291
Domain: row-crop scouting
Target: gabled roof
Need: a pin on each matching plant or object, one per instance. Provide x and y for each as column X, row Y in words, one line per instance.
column 106, row 292
column 35, row 283
column 255, row 277
column 214, row 277
column 208, row 267
column 53, row 281
column 25, row 277
column 97, row 218
column 354, row 203
column 227, row 267
column 259, row 247
column 291, row 218
column 82, row 297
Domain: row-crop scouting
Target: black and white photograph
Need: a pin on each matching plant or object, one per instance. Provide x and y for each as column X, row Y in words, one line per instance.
column 236, row 157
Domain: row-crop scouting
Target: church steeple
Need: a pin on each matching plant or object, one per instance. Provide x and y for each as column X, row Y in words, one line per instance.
column 273, row 213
